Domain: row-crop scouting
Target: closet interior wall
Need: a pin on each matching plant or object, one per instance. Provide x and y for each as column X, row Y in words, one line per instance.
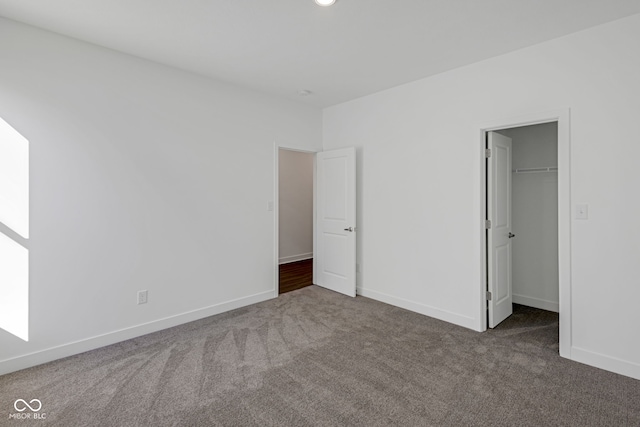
column 535, row 215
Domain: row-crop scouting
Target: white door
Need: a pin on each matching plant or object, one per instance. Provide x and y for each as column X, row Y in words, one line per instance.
column 335, row 267
column 499, row 234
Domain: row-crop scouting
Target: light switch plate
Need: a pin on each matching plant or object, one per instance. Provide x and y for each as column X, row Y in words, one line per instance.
column 582, row 211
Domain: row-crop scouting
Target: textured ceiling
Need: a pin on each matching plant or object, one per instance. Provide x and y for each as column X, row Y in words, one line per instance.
column 351, row 49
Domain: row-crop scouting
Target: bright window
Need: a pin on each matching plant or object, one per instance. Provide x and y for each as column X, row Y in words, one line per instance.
column 14, row 230
column 14, row 180
column 14, row 288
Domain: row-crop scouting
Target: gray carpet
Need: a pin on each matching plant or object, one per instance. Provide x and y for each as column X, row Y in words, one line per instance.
column 315, row 358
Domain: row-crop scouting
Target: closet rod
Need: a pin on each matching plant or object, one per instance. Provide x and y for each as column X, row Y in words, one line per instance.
column 535, row 170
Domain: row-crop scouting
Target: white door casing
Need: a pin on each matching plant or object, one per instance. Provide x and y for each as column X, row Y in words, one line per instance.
column 563, row 118
column 499, row 234
column 336, row 220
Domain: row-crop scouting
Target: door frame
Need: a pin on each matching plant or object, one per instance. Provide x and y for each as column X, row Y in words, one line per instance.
column 276, row 212
column 562, row 117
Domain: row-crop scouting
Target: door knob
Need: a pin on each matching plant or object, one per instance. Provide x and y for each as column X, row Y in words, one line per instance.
column 350, row 229
column 511, row 235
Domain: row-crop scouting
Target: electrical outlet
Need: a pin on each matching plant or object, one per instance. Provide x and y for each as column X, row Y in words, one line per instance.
column 142, row 297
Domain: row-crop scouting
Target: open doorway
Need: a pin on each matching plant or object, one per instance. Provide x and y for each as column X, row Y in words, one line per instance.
column 295, row 219
column 522, row 239
column 522, row 226
column 534, row 208
column 526, row 222
column 332, row 229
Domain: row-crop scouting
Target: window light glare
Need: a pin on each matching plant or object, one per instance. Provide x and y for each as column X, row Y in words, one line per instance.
column 14, row 180
column 14, row 288
column 325, row 2
column 14, row 215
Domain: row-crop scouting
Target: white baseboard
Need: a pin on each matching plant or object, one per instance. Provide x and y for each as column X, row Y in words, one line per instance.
column 537, row 303
column 294, row 258
column 447, row 316
column 607, row 363
column 70, row 349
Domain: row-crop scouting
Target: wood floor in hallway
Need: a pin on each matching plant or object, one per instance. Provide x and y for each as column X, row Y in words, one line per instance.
column 296, row 275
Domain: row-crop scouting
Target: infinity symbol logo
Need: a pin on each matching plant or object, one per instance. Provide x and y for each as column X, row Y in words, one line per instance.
column 27, row 405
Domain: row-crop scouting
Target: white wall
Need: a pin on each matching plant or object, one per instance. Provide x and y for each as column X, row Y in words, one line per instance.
column 534, row 204
column 420, row 193
column 142, row 177
column 295, row 169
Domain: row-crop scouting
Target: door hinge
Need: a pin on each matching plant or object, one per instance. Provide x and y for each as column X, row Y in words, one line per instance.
column 487, row 153
column 487, row 224
column 488, row 296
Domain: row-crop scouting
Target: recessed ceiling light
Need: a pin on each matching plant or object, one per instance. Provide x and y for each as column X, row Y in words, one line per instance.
column 304, row 92
column 325, row 2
